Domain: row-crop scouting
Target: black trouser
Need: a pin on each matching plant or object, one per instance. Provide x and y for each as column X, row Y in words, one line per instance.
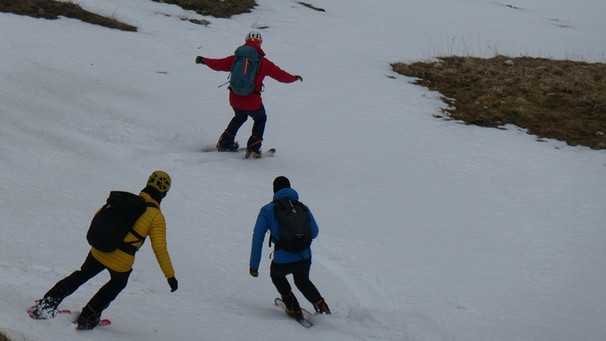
column 300, row 273
column 259, row 117
column 90, row 268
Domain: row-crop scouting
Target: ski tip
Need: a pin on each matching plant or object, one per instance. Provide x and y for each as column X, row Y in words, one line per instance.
column 305, row 323
column 102, row 323
column 268, row 153
column 208, row 148
column 31, row 314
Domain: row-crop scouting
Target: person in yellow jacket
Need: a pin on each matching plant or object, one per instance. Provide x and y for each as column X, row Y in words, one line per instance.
column 118, row 263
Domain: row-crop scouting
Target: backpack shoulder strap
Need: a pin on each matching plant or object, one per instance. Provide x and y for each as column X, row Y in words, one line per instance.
column 151, row 204
column 271, row 237
column 128, row 247
column 132, row 230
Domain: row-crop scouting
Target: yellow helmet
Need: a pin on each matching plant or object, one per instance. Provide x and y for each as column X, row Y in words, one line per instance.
column 159, row 180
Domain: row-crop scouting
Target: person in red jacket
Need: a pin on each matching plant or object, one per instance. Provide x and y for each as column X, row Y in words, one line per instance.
column 249, row 105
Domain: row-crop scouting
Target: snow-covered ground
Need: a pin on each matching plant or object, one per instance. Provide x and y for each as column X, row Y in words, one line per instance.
column 429, row 229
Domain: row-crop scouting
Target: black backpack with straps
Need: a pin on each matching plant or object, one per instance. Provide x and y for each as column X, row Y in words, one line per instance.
column 295, row 225
column 115, row 220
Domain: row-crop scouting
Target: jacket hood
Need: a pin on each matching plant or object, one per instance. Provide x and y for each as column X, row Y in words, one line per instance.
column 286, row 193
column 257, row 47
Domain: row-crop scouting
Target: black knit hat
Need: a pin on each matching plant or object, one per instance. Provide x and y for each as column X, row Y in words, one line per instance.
column 281, row 182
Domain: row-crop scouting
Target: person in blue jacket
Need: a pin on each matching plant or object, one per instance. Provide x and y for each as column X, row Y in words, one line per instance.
column 285, row 262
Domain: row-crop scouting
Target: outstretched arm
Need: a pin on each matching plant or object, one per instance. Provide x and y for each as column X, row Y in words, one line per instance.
column 278, row 74
column 222, row 64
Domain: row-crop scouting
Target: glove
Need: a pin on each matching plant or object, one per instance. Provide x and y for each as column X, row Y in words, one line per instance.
column 254, row 272
column 200, row 60
column 299, row 78
column 173, row 284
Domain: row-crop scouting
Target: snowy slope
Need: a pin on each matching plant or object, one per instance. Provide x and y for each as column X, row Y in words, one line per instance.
column 430, row 229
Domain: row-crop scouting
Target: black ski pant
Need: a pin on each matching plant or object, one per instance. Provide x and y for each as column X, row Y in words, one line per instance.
column 259, row 117
column 89, row 269
column 300, row 274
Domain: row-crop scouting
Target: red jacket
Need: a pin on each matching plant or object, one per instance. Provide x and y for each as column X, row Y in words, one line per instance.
column 268, row 68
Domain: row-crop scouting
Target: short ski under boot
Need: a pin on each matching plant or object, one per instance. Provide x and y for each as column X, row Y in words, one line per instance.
column 45, row 308
column 292, row 306
column 255, row 154
column 321, row 307
column 88, row 319
column 253, row 147
column 226, row 143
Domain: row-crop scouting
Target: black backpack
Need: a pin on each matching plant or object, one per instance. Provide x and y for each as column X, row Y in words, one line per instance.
column 295, row 226
column 115, row 220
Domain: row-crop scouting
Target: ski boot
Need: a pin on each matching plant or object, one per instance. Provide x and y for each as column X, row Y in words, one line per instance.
column 88, row 319
column 226, row 143
column 321, row 307
column 255, row 154
column 45, row 308
column 292, row 306
column 253, row 147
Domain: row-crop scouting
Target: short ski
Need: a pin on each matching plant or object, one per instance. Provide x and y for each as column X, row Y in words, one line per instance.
column 305, row 322
column 269, row 153
column 102, row 323
column 31, row 314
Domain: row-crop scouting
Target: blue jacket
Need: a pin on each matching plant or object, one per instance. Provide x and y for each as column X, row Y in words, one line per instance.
column 267, row 221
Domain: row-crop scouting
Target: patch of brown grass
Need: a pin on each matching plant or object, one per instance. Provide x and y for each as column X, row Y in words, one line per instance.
column 51, row 9
column 558, row 99
column 215, row 8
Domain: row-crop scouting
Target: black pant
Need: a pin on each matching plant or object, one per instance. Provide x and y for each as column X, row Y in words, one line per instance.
column 300, row 273
column 89, row 269
column 240, row 116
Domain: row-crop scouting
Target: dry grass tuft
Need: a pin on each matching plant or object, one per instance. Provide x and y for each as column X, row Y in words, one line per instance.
column 215, row 8
column 558, row 99
column 51, row 9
